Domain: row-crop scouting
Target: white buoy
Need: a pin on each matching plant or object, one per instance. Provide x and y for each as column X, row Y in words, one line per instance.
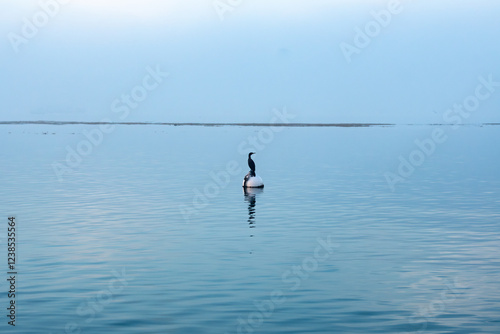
column 253, row 181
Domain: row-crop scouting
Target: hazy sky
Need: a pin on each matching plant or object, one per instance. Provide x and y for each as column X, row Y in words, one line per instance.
column 236, row 60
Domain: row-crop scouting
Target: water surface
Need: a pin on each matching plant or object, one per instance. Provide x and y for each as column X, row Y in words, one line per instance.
column 141, row 237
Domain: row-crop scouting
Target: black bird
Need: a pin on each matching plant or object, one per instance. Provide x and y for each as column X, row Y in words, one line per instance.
column 251, row 164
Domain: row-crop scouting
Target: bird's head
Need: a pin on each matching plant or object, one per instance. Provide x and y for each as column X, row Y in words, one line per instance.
column 250, row 154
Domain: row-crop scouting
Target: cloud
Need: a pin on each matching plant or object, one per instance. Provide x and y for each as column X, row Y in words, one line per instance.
column 185, row 12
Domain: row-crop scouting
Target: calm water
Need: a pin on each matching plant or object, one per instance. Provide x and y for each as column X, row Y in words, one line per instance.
column 139, row 238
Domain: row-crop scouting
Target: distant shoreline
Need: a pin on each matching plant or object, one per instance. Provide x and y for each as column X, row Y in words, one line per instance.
column 344, row 125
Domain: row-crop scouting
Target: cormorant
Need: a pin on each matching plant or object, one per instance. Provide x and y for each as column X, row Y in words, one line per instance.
column 252, row 180
column 251, row 164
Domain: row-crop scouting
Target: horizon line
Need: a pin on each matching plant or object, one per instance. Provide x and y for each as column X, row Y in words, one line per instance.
column 345, row 124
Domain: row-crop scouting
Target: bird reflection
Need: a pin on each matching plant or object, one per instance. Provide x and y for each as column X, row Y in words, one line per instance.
column 250, row 197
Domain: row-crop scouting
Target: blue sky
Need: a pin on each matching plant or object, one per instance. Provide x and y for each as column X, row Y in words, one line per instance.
column 237, row 64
